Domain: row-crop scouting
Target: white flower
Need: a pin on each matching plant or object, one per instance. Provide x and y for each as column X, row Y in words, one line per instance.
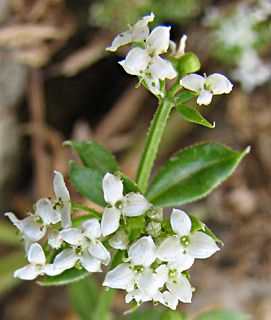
column 206, row 86
column 181, row 250
column 62, row 205
column 137, row 273
column 147, row 63
column 131, row 205
column 37, row 266
column 136, row 33
column 86, row 248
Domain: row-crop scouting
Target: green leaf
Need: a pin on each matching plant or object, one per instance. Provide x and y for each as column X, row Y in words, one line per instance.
column 83, row 297
column 94, row 156
column 192, row 115
column 92, row 214
column 196, row 224
column 223, row 315
column 102, row 310
column 88, row 182
column 193, row 173
column 128, row 184
column 185, row 96
column 66, row 277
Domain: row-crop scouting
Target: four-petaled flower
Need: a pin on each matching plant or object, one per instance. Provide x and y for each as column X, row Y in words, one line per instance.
column 182, row 248
column 135, row 33
column 147, row 64
column 86, row 248
column 37, row 266
column 131, row 205
column 216, row 83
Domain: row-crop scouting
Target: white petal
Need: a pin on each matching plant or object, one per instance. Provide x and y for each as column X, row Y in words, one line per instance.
column 180, row 287
column 134, row 204
column 36, row 255
column 201, row 245
column 144, row 21
column 66, row 215
column 44, row 210
column 220, row 83
column 97, row 249
column 182, row 263
column 73, row 236
column 169, row 300
column 136, row 61
column 56, row 215
column 33, row 230
column 193, row 82
column 153, row 85
column 110, row 220
column 54, row 239
column 180, row 222
column 50, row 270
column 28, row 272
column 138, row 295
column 143, row 252
column 161, row 68
column 120, row 40
column 92, row 228
column 112, row 188
column 65, row 259
column 14, row 219
column 161, row 275
column 170, row 249
column 119, row 240
column 122, row 277
column 90, row 263
column 205, row 97
column 60, row 188
column 140, row 34
column 148, row 283
column 158, row 40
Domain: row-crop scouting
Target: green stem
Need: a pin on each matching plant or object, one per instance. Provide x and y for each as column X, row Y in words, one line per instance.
column 152, row 144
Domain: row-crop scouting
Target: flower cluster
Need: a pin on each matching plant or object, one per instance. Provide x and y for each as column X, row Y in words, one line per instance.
column 153, row 264
column 144, row 60
column 158, row 258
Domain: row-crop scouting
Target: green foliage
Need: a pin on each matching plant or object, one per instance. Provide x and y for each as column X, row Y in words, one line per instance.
column 88, row 301
column 66, row 277
column 83, row 297
column 223, row 315
column 88, row 182
column 94, row 156
column 128, row 184
column 192, row 115
column 193, row 173
column 97, row 161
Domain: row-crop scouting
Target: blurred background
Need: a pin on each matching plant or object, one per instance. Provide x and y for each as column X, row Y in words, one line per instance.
column 58, row 83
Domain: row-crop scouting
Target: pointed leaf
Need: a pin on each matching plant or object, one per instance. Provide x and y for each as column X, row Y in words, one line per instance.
column 66, row 277
column 192, row 115
column 193, row 173
column 186, row 95
column 88, row 182
column 128, row 184
column 94, row 156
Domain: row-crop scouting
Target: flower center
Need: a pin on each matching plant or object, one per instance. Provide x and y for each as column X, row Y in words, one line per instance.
column 185, row 241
